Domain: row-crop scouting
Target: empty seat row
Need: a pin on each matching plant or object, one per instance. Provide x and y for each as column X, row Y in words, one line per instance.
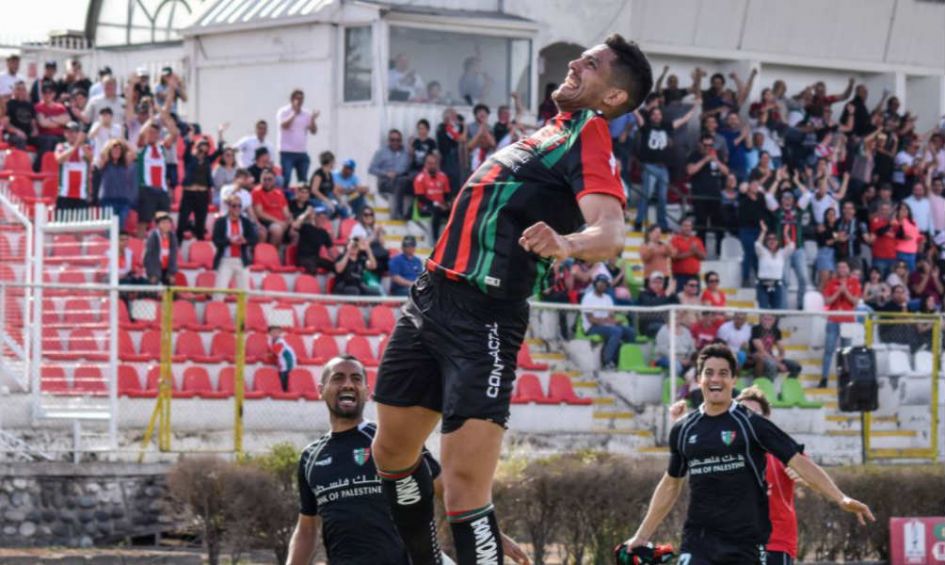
column 316, row 319
column 560, row 391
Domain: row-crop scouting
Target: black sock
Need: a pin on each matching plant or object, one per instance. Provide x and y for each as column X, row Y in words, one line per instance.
column 476, row 536
column 410, row 496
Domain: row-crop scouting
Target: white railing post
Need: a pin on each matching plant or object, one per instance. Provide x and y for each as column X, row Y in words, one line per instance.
column 113, row 298
column 672, row 355
column 36, row 328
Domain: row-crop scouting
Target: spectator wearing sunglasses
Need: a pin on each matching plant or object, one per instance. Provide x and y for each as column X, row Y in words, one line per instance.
column 713, row 295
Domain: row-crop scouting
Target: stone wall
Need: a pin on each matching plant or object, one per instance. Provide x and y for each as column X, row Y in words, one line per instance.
column 81, row 505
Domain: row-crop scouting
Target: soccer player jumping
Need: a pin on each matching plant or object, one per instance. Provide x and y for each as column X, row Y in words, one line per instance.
column 452, row 356
column 722, row 447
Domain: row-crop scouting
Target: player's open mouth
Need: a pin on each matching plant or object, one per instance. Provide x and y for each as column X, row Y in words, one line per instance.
column 715, row 388
column 347, row 400
column 570, row 81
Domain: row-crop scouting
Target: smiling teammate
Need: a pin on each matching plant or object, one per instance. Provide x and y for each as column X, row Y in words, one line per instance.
column 722, row 447
column 552, row 195
column 339, row 486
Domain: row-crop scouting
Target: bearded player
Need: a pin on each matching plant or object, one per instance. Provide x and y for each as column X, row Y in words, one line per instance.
column 452, row 356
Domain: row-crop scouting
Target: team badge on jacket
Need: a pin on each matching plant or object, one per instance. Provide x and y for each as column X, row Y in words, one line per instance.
column 361, row 455
column 728, row 436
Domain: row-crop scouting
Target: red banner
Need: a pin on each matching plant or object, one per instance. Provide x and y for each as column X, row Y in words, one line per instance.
column 917, row 541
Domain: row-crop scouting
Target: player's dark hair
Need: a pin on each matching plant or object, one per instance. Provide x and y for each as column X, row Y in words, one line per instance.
column 632, row 71
column 755, row 394
column 337, row 359
column 718, row 351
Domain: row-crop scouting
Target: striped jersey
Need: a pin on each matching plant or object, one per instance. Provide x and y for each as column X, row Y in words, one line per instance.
column 538, row 178
column 151, row 165
column 74, row 174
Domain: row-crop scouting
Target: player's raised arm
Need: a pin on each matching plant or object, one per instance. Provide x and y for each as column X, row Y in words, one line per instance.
column 601, row 239
column 814, row 475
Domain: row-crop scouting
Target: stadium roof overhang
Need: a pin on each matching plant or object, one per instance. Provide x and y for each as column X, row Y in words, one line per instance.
column 227, row 16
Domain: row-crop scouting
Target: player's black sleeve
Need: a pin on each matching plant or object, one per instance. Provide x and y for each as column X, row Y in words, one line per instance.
column 308, row 504
column 677, row 461
column 431, row 461
column 774, row 440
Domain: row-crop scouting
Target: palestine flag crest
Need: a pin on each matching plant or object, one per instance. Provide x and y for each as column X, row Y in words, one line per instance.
column 728, row 436
column 362, row 455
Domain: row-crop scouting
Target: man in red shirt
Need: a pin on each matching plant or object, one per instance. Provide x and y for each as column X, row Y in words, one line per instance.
column 271, row 208
column 431, row 187
column 689, row 251
column 841, row 293
column 782, row 544
column 884, row 242
column 51, row 117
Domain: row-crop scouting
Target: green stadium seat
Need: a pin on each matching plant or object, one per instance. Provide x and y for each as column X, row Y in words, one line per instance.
column 767, row 387
column 792, row 394
column 667, row 389
column 631, row 360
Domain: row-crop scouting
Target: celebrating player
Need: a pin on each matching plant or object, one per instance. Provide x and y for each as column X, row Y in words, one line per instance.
column 722, row 447
column 453, row 352
column 339, row 486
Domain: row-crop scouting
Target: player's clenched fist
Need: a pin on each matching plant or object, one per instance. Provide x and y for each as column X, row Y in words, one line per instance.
column 543, row 241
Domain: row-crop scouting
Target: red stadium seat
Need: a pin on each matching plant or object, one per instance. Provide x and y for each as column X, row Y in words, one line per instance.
column 51, row 314
column 128, row 382
column 371, row 377
column 273, row 282
column 528, row 389
column 184, row 315
column 197, row 381
column 383, row 319
column 189, row 347
column 80, row 312
column 18, row 162
column 307, row 284
column 257, row 348
column 125, row 321
column 206, row 279
column 560, row 390
column 50, row 188
column 266, row 382
column 200, row 256
column 266, row 258
column 525, row 360
column 52, row 379
column 97, row 246
column 225, row 381
column 302, row 383
column 301, row 353
column 137, row 251
column 292, row 255
column 72, row 278
column 344, row 230
column 351, row 319
column 180, row 279
column 88, row 380
column 359, row 347
column 223, row 345
column 325, row 347
column 256, row 318
column 49, row 165
column 126, row 348
column 317, row 319
column 217, row 315
column 382, row 346
column 83, row 344
column 150, row 347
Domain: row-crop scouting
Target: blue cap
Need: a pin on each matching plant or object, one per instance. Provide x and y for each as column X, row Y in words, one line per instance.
column 349, row 163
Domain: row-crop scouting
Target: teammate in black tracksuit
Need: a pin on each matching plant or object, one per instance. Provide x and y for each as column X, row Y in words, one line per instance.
column 722, row 448
column 339, row 486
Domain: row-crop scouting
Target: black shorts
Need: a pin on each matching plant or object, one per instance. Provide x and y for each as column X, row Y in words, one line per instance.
column 454, row 350
column 706, row 549
column 152, row 200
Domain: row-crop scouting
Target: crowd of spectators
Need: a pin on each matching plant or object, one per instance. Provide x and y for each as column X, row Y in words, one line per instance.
column 822, row 185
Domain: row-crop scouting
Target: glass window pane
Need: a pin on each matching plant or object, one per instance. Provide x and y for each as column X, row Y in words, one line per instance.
column 456, row 68
column 358, row 62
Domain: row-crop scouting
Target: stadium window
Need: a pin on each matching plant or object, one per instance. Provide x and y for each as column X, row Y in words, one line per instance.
column 440, row 67
column 358, row 62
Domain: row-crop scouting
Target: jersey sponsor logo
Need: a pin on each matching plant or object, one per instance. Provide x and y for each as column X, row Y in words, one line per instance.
column 495, row 375
column 693, row 439
column 361, row 455
column 323, row 462
column 728, row 436
column 408, row 491
column 492, row 281
column 487, row 549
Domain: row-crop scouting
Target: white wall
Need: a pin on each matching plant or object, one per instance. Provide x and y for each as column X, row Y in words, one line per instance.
column 925, row 97
column 246, row 76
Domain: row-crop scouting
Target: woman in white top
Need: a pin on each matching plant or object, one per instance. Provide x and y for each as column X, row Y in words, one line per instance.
column 224, row 173
column 771, row 260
